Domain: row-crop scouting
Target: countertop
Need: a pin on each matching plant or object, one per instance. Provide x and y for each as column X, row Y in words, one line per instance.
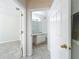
column 38, row 33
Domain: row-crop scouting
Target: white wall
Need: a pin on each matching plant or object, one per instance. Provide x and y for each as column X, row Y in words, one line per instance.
column 22, row 3
column 29, row 32
column 36, row 26
column 40, row 26
column 9, row 21
column 44, row 24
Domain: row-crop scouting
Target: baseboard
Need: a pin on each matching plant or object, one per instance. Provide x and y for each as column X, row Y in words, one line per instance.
column 8, row 41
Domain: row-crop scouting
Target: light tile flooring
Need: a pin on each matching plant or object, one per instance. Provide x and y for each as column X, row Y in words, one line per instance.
column 12, row 51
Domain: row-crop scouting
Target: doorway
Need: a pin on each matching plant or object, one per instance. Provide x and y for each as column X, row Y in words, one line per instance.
column 39, row 34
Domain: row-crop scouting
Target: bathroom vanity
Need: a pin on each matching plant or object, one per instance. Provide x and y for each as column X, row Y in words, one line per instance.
column 38, row 38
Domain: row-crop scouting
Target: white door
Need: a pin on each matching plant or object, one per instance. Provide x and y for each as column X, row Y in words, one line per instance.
column 60, row 30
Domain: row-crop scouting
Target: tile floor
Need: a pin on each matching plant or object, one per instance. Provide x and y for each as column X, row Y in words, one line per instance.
column 12, row 51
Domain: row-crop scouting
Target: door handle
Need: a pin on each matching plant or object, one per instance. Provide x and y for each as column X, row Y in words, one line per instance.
column 65, row 46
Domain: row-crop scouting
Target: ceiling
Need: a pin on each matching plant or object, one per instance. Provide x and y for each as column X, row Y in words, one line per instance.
column 35, row 4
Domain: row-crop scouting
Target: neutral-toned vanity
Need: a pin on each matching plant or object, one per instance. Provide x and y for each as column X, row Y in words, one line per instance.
column 38, row 38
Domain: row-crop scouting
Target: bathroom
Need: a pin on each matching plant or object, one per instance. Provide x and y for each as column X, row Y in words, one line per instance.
column 39, row 30
column 39, row 33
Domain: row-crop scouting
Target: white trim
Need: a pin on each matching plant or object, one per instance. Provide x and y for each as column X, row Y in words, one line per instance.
column 8, row 41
